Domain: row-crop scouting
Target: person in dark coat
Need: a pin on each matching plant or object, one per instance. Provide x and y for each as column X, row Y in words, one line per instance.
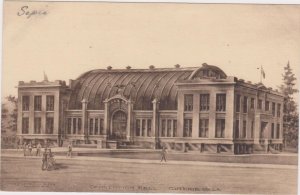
column 163, row 154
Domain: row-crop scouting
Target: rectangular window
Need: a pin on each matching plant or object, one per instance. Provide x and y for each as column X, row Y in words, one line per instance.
column 49, row 125
column 149, row 125
column 259, row 104
column 220, row 128
column 238, row 103
column 169, row 125
column 25, row 125
column 204, row 102
column 278, row 110
column 37, row 103
column 91, row 126
column 273, row 131
column 79, row 125
column 96, row 126
column 50, row 103
column 188, row 102
column 273, row 109
column 25, row 103
column 69, row 125
column 252, row 129
column 252, row 103
column 203, row 128
column 163, row 127
column 102, row 126
column 245, row 105
column 237, row 129
column 244, row 129
column 187, row 128
column 137, row 127
column 267, row 106
column 278, row 131
column 143, row 127
column 37, row 125
column 221, row 102
column 174, row 128
column 74, row 125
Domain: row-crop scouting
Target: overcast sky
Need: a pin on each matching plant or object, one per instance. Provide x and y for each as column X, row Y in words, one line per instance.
column 76, row 37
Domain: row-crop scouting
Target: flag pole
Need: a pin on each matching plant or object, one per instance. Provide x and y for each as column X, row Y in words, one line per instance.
column 260, row 74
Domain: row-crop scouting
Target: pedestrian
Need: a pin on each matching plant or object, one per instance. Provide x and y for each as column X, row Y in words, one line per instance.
column 38, row 149
column 25, row 149
column 69, row 151
column 163, row 154
column 30, row 149
column 45, row 159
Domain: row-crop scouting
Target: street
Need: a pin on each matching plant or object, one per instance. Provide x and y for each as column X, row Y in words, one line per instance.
column 79, row 175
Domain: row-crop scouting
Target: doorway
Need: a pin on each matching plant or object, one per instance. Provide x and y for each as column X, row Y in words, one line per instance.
column 119, row 126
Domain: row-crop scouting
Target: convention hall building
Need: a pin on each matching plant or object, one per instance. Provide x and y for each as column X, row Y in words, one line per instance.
column 184, row 109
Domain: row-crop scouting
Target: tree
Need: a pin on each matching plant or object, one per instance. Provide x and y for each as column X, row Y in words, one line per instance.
column 9, row 116
column 4, row 113
column 14, row 113
column 290, row 114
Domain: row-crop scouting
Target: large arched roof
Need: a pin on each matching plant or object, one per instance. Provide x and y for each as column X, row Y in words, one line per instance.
column 141, row 85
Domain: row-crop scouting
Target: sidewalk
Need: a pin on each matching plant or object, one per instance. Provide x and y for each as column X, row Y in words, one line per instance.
column 171, row 162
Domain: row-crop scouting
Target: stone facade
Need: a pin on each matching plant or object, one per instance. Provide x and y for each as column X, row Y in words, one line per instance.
column 186, row 109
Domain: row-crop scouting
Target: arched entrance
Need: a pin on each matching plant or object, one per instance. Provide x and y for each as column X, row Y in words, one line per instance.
column 118, row 126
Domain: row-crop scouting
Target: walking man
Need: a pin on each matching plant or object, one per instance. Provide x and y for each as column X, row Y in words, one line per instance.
column 24, row 149
column 30, row 149
column 38, row 149
column 69, row 151
column 163, row 154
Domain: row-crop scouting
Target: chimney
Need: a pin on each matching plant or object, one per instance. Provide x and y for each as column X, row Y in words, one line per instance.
column 151, row 67
column 177, row 65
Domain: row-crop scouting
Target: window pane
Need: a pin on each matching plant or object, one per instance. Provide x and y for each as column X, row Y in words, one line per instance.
column 49, row 125
column 25, row 103
column 267, row 106
column 79, row 125
column 37, row 125
column 37, row 103
column 188, row 102
column 174, row 128
column 278, row 110
column 204, row 102
column 221, row 102
column 245, row 105
column 238, row 103
column 96, row 126
column 25, row 125
column 252, row 103
column 137, row 127
column 149, row 124
column 50, row 103
column 91, row 126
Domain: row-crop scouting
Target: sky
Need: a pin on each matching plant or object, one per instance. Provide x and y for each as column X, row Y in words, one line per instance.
column 74, row 37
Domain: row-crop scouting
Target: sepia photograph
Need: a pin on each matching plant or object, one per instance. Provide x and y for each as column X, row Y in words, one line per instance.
column 124, row 97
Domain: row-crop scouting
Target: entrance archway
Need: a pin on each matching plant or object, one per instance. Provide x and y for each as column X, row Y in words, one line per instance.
column 119, row 125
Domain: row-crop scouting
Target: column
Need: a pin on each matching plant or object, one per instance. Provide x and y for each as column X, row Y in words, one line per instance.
column 31, row 114
column 180, row 113
column 212, row 114
column 129, row 113
column 229, row 118
column 83, row 120
column 196, row 110
column 106, row 117
column 44, row 115
column 155, row 118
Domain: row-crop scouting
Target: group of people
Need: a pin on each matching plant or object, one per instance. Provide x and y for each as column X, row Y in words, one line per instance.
column 28, row 149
